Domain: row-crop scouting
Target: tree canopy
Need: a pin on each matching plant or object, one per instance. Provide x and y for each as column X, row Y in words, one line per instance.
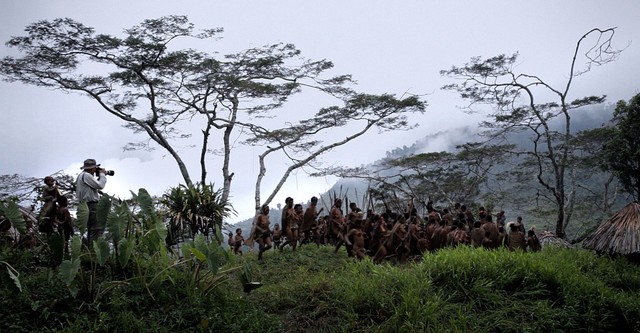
column 522, row 102
column 161, row 90
column 622, row 149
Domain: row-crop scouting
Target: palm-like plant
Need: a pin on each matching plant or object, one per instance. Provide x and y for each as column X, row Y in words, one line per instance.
column 193, row 210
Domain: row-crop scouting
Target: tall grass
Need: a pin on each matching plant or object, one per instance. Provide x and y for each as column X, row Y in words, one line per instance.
column 455, row 290
column 468, row 289
column 316, row 290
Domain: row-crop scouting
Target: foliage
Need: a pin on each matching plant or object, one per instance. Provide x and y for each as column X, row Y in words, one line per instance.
column 442, row 178
column 202, row 254
column 27, row 191
column 312, row 137
column 194, row 210
column 314, row 289
column 522, row 102
column 10, row 276
column 599, row 194
column 622, row 149
column 17, row 188
column 456, row 289
column 11, row 213
column 156, row 88
column 130, row 260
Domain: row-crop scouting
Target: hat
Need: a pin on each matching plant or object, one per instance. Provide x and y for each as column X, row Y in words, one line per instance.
column 89, row 163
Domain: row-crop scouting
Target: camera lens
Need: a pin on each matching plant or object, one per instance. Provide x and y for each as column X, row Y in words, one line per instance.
column 111, row 173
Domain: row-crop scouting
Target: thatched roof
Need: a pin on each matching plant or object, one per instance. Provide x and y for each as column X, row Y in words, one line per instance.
column 549, row 238
column 619, row 235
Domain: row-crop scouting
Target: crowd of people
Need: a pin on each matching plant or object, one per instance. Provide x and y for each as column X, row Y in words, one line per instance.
column 384, row 235
column 400, row 236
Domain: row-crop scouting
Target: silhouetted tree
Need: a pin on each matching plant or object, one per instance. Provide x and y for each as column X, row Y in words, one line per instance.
column 518, row 103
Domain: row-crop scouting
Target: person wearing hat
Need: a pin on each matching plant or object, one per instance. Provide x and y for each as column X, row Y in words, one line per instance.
column 90, row 181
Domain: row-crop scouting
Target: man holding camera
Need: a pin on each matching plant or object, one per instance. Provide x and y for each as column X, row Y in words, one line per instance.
column 90, row 181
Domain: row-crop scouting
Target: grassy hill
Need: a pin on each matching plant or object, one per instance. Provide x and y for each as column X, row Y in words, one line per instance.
column 316, row 290
column 461, row 289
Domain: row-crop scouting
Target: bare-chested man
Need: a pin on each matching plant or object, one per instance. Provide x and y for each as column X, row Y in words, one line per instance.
column 379, row 239
column 355, row 216
column 533, row 242
column 477, row 234
column 292, row 220
column 309, row 224
column 276, row 235
column 516, row 238
column 494, row 234
column 337, row 222
column 356, row 237
column 415, row 234
column 262, row 234
column 448, row 217
column 237, row 242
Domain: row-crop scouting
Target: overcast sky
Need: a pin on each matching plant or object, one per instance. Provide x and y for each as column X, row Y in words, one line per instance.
column 388, row 46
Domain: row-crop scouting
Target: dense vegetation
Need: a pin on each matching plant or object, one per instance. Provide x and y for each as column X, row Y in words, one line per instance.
column 314, row 289
column 161, row 268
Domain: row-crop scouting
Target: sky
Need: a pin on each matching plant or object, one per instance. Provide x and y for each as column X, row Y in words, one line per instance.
column 395, row 47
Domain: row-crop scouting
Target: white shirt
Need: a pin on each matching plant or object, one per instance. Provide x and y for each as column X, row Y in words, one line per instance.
column 87, row 186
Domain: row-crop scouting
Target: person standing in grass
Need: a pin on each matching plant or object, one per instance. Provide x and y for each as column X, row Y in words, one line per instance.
column 309, row 221
column 90, row 182
column 533, row 243
column 276, row 235
column 50, row 194
column 237, row 241
column 337, row 223
column 262, row 234
column 63, row 222
column 292, row 221
column 516, row 238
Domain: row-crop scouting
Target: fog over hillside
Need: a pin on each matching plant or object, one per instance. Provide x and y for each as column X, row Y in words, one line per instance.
column 355, row 189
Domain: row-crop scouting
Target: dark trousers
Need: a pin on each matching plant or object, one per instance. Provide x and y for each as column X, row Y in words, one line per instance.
column 94, row 229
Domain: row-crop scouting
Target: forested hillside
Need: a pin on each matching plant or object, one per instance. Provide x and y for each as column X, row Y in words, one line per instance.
column 503, row 189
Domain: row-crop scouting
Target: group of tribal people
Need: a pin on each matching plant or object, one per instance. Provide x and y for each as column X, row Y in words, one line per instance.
column 54, row 217
column 386, row 235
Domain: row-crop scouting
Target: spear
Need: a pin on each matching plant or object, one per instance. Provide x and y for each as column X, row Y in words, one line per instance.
column 324, row 205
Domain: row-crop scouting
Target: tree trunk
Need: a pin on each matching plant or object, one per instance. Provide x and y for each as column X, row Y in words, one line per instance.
column 560, row 222
column 226, row 175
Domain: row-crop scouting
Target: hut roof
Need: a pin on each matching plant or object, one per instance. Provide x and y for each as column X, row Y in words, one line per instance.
column 549, row 238
column 620, row 234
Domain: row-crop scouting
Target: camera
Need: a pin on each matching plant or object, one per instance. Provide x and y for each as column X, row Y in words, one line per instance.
column 106, row 172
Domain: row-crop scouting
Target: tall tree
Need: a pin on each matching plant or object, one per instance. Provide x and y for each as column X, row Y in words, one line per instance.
column 303, row 142
column 158, row 90
column 519, row 102
column 622, row 149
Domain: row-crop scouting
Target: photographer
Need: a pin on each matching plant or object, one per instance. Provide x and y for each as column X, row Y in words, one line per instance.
column 90, row 181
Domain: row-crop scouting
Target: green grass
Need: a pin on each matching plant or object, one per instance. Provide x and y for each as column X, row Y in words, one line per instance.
column 316, row 290
column 462, row 289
